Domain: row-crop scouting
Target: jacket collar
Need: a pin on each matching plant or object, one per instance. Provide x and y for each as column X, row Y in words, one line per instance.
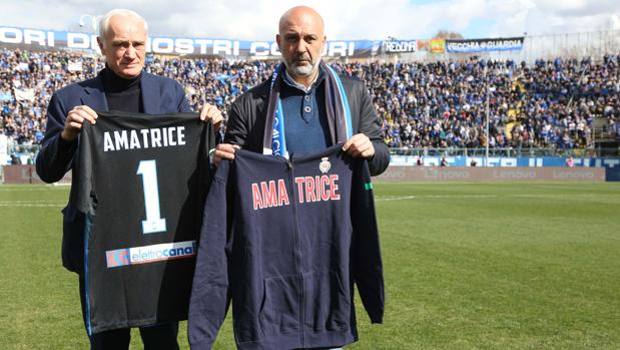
column 94, row 94
column 149, row 92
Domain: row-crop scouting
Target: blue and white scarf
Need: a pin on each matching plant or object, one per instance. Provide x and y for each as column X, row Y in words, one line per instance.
column 338, row 112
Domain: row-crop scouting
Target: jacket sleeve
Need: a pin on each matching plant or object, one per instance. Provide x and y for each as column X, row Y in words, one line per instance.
column 56, row 155
column 236, row 129
column 210, row 296
column 366, row 265
column 370, row 125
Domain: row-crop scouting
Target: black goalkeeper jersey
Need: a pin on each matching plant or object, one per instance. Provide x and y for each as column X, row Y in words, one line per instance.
column 142, row 181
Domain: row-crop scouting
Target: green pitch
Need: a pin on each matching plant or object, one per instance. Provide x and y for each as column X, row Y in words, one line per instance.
column 467, row 266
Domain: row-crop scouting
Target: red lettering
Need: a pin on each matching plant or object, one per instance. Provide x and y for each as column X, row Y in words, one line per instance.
column 270, row 194
column 282, row 193
column 317, row 187
column 325, row 183
column 258, row 204
column 335, row 196
column 300, row 188
column 310, row 197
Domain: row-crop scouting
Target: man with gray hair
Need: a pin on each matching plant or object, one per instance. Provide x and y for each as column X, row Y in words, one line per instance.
column 123, row 86
column 305, row 108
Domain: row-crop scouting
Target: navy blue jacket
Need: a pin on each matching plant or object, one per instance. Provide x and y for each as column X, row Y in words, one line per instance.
column 286, row 241
column 159, row 96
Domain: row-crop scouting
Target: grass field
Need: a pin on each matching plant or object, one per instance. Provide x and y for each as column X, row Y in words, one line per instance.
column 467, row 266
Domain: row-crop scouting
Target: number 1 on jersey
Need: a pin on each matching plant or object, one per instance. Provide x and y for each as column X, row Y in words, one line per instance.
column 154, row 222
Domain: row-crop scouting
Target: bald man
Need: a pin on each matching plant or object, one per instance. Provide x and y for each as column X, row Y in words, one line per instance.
column 304, row 108
column 312, row 119
column 124, row 86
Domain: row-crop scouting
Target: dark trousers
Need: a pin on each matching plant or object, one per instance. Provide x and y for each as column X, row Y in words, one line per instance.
column 156, row 337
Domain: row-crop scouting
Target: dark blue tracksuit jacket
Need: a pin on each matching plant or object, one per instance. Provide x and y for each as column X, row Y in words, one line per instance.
column 286, row 241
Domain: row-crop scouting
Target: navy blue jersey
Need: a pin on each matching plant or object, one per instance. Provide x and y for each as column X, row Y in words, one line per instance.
column 142, row 183
column 286, row 241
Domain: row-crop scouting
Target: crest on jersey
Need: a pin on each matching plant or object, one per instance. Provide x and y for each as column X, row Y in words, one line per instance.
column 325, row 165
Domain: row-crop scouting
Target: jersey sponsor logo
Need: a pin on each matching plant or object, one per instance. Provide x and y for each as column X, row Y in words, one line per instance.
column 123, row 140
column 273, row 193
column 150, row 253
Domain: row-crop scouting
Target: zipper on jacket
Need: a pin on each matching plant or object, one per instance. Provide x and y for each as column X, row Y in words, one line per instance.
column 297, row 260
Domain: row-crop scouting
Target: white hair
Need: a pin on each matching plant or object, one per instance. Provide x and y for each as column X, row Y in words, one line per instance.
column 104, row 22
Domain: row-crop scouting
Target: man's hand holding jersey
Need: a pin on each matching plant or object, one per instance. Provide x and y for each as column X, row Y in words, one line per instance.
column 212, row 114
column 75, row 119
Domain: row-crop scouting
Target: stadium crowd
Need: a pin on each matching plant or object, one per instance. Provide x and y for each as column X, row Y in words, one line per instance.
column 440, row 104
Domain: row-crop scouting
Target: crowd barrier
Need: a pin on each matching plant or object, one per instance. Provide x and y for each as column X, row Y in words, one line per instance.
column 26, row 174
column 479, row 174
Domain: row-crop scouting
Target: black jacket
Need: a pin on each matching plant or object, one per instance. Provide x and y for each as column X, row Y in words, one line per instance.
column 246, row 121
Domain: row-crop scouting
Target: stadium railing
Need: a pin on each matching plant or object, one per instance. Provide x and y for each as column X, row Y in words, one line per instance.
column 503, row 152
column 26, row 153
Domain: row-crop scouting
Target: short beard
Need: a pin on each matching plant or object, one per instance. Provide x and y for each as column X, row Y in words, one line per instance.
column 302, row 71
